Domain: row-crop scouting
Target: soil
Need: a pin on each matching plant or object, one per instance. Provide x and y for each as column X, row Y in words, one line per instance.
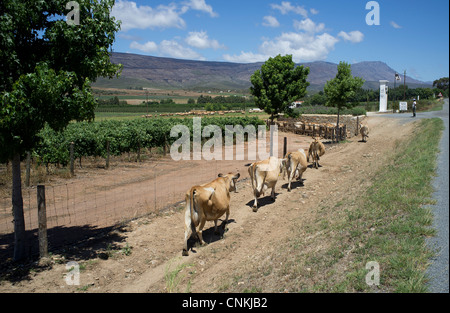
column 144, row 255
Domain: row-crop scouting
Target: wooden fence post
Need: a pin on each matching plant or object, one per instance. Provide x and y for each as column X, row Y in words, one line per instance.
column 72, row 160
column 28, row 169
column 107, row 154
column 42, row 221
column 285, row 147
column 357, row 126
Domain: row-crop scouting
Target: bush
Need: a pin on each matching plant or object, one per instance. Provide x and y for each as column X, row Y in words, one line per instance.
column 320, row 109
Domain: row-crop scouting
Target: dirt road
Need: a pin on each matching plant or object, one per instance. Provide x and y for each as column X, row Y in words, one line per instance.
column 145, row 255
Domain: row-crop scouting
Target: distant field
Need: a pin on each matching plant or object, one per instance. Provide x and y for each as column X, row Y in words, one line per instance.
column 135, row 97
column 101, row 116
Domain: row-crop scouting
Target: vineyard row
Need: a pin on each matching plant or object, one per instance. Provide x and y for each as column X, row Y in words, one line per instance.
column 90, row 139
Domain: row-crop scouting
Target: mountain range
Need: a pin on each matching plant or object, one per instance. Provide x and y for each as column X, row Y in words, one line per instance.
column 166, row 73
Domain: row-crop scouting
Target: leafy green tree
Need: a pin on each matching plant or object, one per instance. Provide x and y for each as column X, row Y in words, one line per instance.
column 342, row 88
column 441, row 83
column 277, row 84
column 46, row 68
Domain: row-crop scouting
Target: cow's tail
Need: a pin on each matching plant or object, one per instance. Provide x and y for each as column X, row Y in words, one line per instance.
column 288, row 167
column 192, row 208
column 251, row 172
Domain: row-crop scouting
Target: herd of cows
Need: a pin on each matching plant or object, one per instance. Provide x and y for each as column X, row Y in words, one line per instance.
column 209, row 202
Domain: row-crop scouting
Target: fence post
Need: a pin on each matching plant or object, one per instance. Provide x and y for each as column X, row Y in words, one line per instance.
column 139, row 152
column 357, row 126
column 42, row 221
column 72, row 167
column 28, row 169
column 107, row 154
column 285, row 147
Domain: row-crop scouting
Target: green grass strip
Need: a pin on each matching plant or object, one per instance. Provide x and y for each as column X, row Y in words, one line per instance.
column 394, row 210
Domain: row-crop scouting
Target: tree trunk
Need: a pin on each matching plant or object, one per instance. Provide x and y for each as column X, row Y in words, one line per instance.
column 17, row 202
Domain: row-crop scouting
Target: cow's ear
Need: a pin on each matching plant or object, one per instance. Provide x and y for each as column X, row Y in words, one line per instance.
column 237, row 176
column 220, row 175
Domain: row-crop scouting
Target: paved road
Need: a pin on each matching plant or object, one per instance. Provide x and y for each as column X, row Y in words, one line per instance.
column 438, row 270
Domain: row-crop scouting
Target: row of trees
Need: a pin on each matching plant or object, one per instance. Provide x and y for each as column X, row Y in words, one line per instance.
column 91, row 138
column 225, row 100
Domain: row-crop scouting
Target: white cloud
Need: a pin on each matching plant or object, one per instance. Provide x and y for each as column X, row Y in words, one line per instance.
column 314, row 11
column 354, row 36
column 147, row 47
column 200, row 5
column 246, row 57
column 173, row 49
column 143, row 17
column 134, row 16
column 287, row 7
column 304, row 47
column 270, row 21
column 309, row 26
column 395, row 25
column 200, row 40
column 167, row 48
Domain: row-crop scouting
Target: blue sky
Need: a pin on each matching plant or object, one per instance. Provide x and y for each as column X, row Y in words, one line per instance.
column 411, row 35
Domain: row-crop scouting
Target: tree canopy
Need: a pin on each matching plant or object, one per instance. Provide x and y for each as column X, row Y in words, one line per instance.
column 46, row 68
column 278, row 83
column 342, row 88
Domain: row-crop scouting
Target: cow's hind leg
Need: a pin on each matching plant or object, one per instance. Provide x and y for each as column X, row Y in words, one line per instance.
column 216, row 230
column 255, row 203
column 200, row 232
column 291, row 175
column 189, row 229
column 224, row 224
column 187, row 234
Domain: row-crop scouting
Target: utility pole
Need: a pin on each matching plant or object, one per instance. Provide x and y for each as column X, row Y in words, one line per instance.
column 397, row 77
column 404, row 85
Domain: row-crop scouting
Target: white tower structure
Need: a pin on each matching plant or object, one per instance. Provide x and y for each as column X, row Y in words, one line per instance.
column 383, row 95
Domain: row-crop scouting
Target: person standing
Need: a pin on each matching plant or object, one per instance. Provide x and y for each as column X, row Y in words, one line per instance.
column 414, row 107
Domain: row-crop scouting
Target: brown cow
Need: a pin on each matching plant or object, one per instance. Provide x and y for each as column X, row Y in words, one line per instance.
column 207, row 202
column 364, row 132
column 296, row 165
column 264, row 175
column 316, row 150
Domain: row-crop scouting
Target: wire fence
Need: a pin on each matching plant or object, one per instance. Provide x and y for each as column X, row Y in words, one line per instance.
column 85, row 206
column 81, row 209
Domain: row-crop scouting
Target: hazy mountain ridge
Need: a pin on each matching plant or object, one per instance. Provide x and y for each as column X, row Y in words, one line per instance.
column 157, row 72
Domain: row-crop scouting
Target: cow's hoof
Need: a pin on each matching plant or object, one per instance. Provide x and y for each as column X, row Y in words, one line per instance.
column 255, row 209
column 185, row 253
